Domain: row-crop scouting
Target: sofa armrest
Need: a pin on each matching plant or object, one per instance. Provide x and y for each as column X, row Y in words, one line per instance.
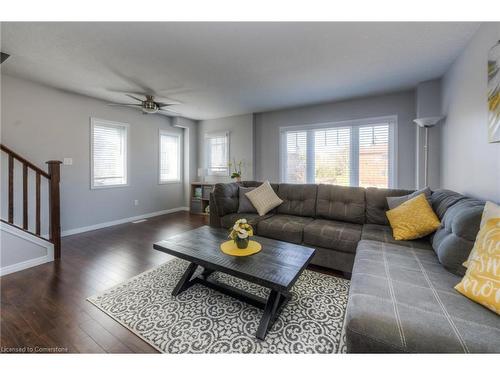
column 214, row 219
column 454, row 240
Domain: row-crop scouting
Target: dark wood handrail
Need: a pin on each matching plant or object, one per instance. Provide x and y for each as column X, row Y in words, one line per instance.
column 53, row 177
column 15, row 155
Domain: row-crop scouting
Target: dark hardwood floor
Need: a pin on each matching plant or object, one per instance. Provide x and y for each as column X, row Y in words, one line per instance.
column 44, row 308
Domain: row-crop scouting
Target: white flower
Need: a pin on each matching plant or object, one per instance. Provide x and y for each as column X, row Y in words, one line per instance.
column 236, row 227
column 243, row 221
column 243, row 234
column 241, row 230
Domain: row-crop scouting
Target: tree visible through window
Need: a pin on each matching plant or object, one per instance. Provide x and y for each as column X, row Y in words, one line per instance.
column 374, row 156
column 332, row 148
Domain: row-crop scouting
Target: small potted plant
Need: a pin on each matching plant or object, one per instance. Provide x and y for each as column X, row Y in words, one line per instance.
column 236, row 173
column 241, row 233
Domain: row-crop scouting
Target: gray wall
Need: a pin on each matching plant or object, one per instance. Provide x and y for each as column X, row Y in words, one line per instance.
column 43, row 123
column 190, row 130
column 402, row 104
column 17, row 250
column 469, row 164
column 241, row 140
column 428, row 104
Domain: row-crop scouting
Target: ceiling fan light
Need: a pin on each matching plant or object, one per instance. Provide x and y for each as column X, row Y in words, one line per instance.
column 149, row 110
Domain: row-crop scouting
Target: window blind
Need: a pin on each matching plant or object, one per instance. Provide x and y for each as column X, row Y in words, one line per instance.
column 332, row 148
column 296, row 151
column 374, row 156
column 169, row 157
column 217, row 154
column 356, row 155
column 109, row 154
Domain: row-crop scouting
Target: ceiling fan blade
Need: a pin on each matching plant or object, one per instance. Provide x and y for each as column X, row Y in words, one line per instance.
column 134, row 97
column 125, row 105
column 169, row 112
column 170, row 102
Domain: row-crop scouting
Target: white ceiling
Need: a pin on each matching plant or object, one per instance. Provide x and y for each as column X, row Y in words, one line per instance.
column 222, row 69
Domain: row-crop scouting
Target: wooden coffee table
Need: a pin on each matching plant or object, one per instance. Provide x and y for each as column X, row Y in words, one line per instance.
column 276, row 267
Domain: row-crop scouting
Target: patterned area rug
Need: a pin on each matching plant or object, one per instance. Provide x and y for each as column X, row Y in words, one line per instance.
column 201, row 320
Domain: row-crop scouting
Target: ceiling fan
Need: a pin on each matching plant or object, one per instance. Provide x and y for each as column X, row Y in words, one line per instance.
column 149, row 105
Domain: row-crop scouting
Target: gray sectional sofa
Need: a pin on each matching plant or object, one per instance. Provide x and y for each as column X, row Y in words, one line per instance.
column 401, row 297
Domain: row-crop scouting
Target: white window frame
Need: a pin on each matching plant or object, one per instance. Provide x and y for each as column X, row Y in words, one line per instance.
column 97, row 121
column 179, row 154
column 208, row 170
column 355, row 124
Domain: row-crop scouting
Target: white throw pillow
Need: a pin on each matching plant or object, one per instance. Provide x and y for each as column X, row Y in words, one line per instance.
column 263, row 198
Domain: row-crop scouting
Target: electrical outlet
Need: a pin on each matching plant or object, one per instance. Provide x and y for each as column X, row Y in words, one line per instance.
column 68, row 161
column 136, row 202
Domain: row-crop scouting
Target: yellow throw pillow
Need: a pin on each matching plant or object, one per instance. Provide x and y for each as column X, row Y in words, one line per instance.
column 491, row 211
column 413, row 219
column 481, row 282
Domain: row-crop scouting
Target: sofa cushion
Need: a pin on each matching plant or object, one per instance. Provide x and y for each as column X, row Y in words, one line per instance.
column 287, row 228
column 383, row 233
column 336, row 235
column 244, row 204
column 226, row 198
column 298, row 199
column 227, row 221
column 342, row 203
column 394, row 202
column 443, row 199
column 454, row 240
column 376, row 203
column 402, row 300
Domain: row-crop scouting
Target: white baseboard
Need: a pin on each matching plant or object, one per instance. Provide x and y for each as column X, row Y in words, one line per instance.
column 69, row 232
column 30, row 262
column 26, row 264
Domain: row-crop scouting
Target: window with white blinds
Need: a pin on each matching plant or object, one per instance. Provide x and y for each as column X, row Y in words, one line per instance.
column 296, row 148
column 332, row 150
column 108, row 153
column 217, row 153
column 374, row 156
column 354, row 153
column 170, row 157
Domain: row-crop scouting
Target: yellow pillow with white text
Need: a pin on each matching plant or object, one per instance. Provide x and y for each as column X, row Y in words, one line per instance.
column 491, row 211
column 481, row 282
column 413, row 219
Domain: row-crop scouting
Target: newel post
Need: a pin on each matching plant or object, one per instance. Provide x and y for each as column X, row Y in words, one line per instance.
column 55, row 207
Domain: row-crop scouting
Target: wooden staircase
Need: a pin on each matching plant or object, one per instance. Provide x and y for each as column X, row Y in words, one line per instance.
column 53, row 179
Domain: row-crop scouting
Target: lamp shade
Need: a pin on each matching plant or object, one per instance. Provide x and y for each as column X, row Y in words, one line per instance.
column 428, row 122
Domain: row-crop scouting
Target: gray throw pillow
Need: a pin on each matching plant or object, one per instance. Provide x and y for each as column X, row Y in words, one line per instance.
column 245, row 206
column 393, row 202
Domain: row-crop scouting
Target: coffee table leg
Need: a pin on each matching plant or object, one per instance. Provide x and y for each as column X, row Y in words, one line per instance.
column 185, row 280
column 206, row 273
column 270, row 309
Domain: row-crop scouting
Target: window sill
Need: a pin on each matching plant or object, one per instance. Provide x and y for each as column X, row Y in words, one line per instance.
column 169, row 182
column 109, row 187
